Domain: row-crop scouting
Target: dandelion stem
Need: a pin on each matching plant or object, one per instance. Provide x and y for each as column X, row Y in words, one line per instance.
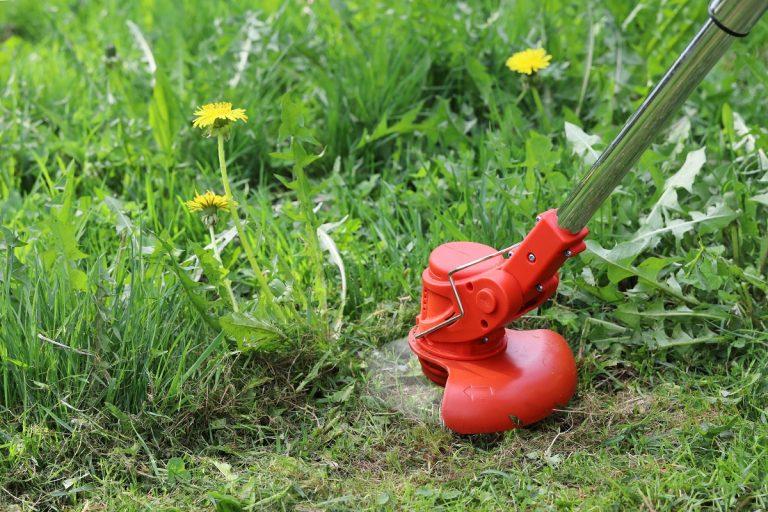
column 226, row 281
column 523, row 92
column 266, row 292
column 540, row 107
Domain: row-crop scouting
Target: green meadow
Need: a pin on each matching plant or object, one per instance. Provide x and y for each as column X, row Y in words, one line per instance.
column 153, row 358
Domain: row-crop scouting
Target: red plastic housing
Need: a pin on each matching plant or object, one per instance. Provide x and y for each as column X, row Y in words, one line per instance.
column 495, row 378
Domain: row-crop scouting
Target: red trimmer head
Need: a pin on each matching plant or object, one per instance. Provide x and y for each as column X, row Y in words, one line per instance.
column 495, row 378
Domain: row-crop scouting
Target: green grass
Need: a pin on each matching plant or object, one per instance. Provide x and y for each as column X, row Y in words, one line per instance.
column 127, row 384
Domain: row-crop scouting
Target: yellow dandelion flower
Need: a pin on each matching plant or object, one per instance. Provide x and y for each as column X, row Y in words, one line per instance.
column 208, row 200
column 217, row 116
column 529, row 61
column 209, row 205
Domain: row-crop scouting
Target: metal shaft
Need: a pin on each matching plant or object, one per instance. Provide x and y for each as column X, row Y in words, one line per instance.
column 729, row 19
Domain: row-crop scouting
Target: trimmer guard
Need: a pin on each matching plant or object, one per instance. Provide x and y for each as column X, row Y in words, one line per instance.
column 520, row 385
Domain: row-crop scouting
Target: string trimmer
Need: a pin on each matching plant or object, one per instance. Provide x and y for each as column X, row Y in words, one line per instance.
column 496, row 378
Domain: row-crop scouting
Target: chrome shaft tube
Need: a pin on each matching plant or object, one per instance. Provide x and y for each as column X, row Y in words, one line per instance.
column 729, row 19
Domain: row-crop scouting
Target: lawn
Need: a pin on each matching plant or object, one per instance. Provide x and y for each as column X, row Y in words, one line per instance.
column 143, row 367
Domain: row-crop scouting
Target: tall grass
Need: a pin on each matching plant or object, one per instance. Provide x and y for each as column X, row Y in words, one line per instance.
column 423, row 142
